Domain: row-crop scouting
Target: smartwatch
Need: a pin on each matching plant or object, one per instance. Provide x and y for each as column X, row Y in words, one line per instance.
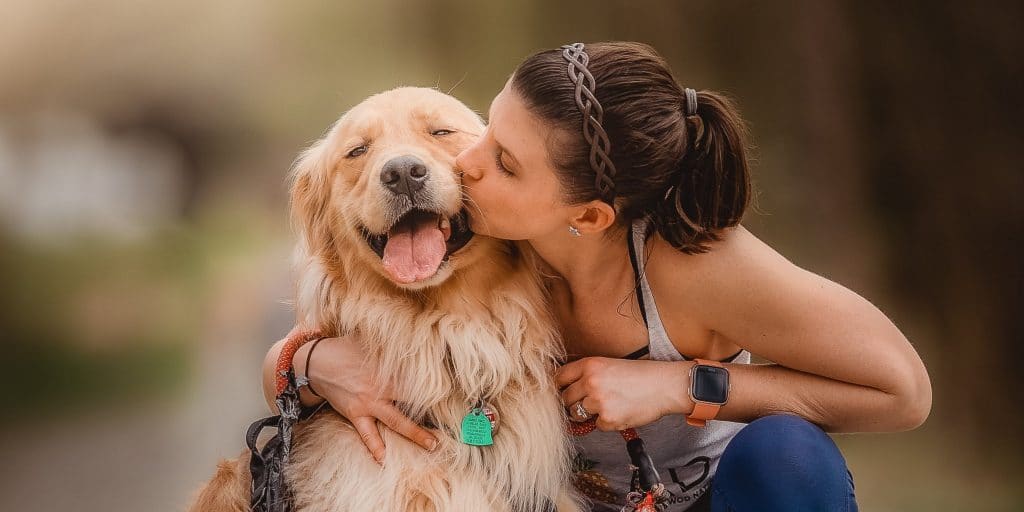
column 709, row 390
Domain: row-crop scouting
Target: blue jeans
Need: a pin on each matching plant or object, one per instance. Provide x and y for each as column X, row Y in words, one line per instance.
column 781, row 462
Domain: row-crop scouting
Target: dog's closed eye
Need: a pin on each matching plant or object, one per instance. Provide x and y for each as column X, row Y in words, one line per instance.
column 359, row 151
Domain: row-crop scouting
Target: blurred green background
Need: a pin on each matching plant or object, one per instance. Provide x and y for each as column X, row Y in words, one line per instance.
column 144, row 245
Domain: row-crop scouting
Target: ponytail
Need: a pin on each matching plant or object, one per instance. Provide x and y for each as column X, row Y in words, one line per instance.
column 710, row 189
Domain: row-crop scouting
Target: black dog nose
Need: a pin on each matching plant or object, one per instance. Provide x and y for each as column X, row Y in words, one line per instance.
column 404, row 175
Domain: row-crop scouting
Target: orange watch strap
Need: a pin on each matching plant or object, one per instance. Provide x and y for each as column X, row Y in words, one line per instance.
column 703, row 411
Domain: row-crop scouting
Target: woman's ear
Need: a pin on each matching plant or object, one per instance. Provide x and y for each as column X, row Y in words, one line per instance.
column 310, row 197
column 594, row 217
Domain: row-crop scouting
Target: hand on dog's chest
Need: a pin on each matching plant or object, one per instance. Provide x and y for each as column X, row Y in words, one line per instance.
column 479, row 425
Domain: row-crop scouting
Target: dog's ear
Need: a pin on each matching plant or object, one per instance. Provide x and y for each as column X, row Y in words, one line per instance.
column 309, row 197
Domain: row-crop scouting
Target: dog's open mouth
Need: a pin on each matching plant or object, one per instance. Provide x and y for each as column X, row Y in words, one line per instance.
column 414, row 248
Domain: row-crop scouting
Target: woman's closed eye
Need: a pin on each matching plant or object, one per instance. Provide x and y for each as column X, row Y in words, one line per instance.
column 501, row 167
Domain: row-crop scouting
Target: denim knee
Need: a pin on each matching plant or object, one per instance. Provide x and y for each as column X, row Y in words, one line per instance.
column 782, row 462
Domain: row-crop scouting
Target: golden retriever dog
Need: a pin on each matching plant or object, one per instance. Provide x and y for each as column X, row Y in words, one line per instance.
column 449, row 317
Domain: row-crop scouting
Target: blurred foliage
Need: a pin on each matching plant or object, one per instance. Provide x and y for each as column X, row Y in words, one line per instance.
column 96, row 323
column 58, row 379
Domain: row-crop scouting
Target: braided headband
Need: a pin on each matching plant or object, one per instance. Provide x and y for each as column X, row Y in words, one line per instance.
column 592, row 112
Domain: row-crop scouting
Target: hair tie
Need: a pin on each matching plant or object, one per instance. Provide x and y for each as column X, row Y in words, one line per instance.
column 691, row 102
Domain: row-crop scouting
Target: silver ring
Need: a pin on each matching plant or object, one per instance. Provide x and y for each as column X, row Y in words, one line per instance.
column 581, row 412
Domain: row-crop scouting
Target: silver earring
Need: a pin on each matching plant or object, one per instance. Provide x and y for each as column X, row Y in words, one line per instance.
column 574, row 231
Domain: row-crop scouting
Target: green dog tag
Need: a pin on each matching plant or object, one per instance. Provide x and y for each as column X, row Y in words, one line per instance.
column 476, row 428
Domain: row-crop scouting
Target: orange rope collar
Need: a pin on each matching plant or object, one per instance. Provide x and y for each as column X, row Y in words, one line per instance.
column 585, row 427
column 294, row 340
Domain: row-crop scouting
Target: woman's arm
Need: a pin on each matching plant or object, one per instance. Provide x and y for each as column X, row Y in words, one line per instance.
column 337, row 373
column 840, row 362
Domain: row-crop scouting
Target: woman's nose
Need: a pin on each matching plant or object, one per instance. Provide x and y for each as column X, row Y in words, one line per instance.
column 464, row 164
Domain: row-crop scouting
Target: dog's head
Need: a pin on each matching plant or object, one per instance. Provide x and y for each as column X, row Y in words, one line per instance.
column 381, row 184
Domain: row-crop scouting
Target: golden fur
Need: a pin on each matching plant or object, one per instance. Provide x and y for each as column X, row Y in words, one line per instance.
column 480, row 326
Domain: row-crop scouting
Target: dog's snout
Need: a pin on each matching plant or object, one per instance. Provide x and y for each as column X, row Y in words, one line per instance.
column 404, row 175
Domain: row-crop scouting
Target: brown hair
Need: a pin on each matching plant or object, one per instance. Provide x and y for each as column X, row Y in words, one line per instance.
column 689, row 174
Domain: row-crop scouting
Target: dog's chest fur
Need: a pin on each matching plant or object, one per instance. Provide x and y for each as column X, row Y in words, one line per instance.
column 490, row 337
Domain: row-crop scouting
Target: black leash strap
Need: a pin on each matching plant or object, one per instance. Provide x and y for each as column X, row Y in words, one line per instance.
column 270, row 492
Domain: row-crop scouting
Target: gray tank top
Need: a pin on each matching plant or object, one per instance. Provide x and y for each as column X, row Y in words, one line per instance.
column 686, row 457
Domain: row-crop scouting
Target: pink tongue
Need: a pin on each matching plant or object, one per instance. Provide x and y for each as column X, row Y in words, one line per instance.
column 414, row 252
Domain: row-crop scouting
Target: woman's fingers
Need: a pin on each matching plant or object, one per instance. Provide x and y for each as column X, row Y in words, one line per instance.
column 576, row 394
column 589, row 406
column 572, row 371
column 572, row 394
column 367, row 428
column 396, row 420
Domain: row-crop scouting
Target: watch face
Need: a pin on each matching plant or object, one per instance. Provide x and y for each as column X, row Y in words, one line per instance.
column 710, row 384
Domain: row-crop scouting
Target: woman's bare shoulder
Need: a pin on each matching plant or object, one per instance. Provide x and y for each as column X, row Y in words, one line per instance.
column 761, row 301
column 699, row 295
column 736, row 253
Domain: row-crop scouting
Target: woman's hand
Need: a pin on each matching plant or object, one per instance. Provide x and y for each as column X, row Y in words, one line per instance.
column 337, row 373
column 625, row 393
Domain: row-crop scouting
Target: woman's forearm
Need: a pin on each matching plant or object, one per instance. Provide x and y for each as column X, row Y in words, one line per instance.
column 836, row 406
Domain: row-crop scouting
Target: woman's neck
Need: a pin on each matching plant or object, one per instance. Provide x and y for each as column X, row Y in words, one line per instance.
column 586, row 265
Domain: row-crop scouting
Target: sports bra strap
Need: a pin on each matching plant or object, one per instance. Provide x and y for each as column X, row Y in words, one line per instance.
column 630, row 241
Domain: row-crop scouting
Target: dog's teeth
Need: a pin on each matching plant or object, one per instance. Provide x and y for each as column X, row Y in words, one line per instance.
column 445, row 223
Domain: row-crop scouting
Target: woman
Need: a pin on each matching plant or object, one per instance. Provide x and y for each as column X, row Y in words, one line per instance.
column 634, row 214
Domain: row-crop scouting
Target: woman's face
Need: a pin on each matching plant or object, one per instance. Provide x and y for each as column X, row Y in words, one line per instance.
column 508, row 175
